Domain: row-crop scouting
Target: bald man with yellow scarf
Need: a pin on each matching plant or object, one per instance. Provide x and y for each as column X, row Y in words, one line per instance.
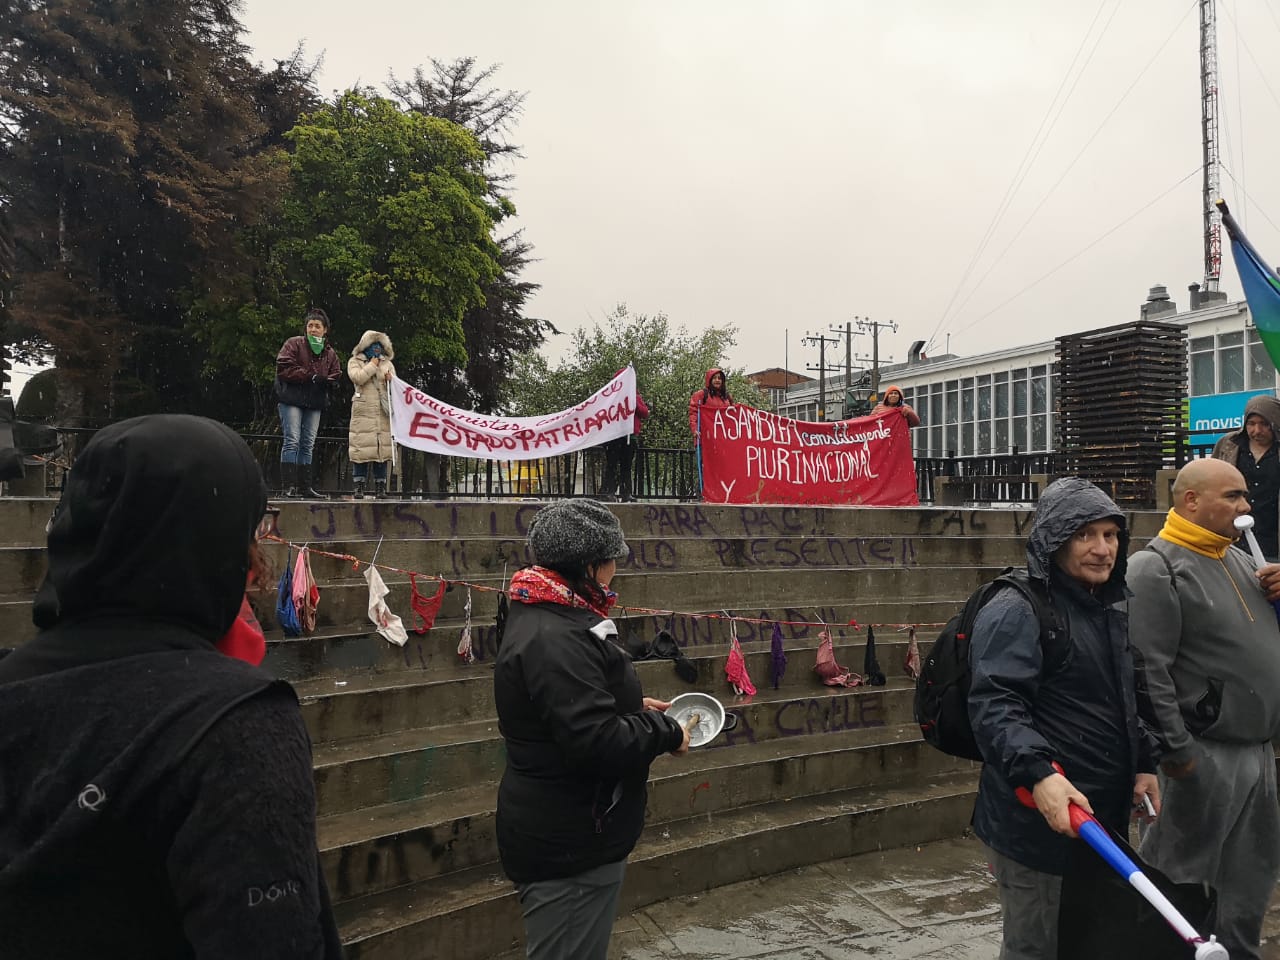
column 1208, row 642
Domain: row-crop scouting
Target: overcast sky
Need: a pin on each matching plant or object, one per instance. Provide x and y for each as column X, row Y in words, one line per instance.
column 792, row 165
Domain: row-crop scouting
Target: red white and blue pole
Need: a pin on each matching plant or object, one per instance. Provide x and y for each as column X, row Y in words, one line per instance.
column 1095, row 834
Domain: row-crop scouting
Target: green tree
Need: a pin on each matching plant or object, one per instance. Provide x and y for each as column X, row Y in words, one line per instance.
column 670, row 365
column 497, row 331
column 134, row 151
column 386, row 225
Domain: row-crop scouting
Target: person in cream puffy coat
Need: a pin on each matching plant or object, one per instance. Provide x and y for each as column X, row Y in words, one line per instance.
column 370, row 369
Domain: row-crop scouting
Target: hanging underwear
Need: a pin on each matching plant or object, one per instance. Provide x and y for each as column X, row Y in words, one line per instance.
column 425, row 608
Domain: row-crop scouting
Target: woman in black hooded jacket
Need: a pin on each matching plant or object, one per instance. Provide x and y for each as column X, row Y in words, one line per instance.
column 579, row 735
column 156, row 796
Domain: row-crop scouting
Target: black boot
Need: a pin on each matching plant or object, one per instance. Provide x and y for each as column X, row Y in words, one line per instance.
column 380, row 489
column 358, row 494
column 290, row 471
column 306, row 490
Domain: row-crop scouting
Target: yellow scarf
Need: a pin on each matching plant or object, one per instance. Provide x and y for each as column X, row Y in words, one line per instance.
column 1178, row 529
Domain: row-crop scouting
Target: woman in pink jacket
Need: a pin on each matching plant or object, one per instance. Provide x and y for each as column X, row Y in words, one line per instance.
column 893, row 400
column 713, row 395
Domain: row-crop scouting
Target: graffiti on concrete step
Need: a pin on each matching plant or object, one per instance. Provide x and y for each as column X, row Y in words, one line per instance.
column 691, row 520
column 960, row 523
column 816, row 552
column 470, row 556
column 411, row 521
column 690, row 631
column 678, row 521
column 797, row 718
column 830, row 714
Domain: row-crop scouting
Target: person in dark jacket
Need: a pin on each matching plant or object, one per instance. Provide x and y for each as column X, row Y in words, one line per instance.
column 156, row 796
column 1076, row 706
column 620, row 456
column 307, row 369
column 579, row 735
column 1254, row 450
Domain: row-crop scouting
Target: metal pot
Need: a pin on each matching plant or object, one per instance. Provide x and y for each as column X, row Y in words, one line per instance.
column 710, row 714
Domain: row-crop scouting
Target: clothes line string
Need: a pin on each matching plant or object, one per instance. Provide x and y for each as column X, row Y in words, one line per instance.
column 357, row 563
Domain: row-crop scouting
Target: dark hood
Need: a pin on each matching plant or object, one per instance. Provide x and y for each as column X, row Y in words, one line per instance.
column 1266, row 406
column 1065, row 506
column 154, row 522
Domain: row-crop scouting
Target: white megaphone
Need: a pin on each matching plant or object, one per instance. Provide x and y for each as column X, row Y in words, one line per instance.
column 1244, row 523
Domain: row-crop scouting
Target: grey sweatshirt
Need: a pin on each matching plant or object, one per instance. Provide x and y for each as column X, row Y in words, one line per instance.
column 1209, row 645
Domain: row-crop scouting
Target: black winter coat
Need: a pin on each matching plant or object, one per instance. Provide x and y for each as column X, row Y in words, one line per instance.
column 157, row 800
column 304, row 379
column 579, row 743
column 1029, row 709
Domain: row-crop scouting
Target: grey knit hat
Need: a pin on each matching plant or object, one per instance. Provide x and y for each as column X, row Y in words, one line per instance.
column 572, row 532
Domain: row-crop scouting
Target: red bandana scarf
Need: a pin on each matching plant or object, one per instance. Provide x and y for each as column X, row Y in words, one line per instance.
column 245, row 640
column 540, row 585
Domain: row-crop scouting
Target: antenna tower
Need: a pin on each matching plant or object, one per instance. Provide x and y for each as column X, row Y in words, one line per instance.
column 1209, row 128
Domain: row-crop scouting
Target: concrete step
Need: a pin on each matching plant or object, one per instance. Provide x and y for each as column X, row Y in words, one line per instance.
column 23, row 520
column 341, row 652
column 473, row 913
column 487, row 556
column 21, row 572
column 369, row 703
column 320, row 522
column 317, row 521
column 366, row 703
column 376, row 849
column 344, row 603
column 406, row 765
column 15, row 622
column 411, row 764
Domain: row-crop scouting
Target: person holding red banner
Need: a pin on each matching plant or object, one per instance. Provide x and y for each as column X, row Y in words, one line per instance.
column 893, row 400
column 713, row 395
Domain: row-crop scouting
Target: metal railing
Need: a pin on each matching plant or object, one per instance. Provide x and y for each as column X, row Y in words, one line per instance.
column 659, row 473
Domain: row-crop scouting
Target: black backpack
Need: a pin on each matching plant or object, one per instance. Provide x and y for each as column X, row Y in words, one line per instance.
column 942, row 689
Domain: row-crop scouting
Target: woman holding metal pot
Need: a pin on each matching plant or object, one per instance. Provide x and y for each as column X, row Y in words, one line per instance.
column 579, row 733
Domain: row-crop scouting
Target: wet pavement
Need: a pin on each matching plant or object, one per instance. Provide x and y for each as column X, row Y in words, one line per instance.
column 934, row 901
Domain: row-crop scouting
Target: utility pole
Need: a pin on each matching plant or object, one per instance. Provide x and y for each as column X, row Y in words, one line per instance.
column 848, row 333
column 821, row 340
column 867, row 325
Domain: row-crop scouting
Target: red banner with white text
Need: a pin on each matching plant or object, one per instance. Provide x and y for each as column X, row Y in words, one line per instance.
column 753, row 456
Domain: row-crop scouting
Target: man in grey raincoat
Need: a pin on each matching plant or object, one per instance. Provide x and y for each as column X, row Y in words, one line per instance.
column 1211, row 658
column 1074, row 705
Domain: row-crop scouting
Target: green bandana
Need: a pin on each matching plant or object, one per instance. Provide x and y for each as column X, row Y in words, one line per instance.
column 317, row 344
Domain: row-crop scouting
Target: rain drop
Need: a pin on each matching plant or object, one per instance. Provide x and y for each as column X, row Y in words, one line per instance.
column 168, row 73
